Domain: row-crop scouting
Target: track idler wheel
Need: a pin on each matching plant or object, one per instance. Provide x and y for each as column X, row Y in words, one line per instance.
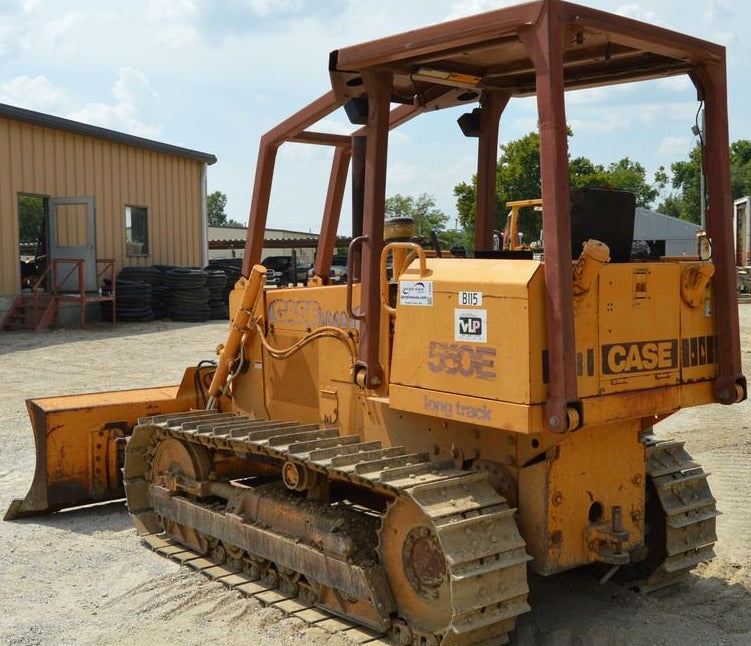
column 416, row 567
column 172, row 460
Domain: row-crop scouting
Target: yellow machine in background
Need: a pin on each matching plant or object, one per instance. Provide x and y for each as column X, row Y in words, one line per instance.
column 400, row 449
column 510, row 236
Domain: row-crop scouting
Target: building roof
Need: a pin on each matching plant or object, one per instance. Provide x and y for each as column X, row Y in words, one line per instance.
column 650, row 225
column 76, row 127
column 228, row 233
column 234, row 237
column 240, row 233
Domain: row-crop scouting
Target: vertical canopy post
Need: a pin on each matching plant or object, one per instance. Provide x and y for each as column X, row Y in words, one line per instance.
column 712, row 85
column 368, row 371
column 492, row 105
column 544, row 43
column 332, row 211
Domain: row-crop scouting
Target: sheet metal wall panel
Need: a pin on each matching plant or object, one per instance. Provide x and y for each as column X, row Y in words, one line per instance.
column 52, row 163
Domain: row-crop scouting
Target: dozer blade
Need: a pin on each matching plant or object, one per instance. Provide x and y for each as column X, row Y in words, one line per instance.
column 80, row 443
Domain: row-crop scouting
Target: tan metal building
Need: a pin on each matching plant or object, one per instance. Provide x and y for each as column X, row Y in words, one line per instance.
column 105, row 194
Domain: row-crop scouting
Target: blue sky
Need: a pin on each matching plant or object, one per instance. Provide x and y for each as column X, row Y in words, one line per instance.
column 214, row 75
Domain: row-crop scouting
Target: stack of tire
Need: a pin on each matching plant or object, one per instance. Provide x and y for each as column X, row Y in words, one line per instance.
column 216, row 281
column 232, row 268
column 133, row 300
column 155, row 278
column 188, row 298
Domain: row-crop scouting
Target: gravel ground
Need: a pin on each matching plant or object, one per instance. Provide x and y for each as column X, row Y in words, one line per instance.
column 82, row 577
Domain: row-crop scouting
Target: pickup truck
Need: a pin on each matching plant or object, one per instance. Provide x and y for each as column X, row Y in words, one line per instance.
column 282, row 272
column 338, row 271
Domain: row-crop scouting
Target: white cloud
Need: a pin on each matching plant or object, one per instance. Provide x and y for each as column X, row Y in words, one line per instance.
column 175, row 19
column 676, row 83
column 60, row 33
column 163, row 10
column 294, row 152
column 718, row 10
column 11, row 32
column 674, row 147
column 400, row 174
column 178, row 36
column 8, row 39
column 35, row 93
column 133, row 97
column 397, row 136
column 613, row 93
column 520, row 124
column 637, row 12
column 726, row 38
column 464, row 8
column 334, row 126
column 270, row 7
column 606, row 122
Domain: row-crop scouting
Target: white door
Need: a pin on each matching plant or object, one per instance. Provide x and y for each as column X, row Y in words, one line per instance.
column 72, row 235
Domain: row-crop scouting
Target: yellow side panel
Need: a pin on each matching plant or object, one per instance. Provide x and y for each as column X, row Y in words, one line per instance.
column 479, row 348
column 639, row 326
column 520, row 418
column 315, row 381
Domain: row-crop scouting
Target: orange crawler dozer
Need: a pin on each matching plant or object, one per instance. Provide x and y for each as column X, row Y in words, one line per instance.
column 400, row 449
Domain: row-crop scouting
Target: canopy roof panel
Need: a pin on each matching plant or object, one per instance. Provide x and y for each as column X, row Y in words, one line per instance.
column 456, row 60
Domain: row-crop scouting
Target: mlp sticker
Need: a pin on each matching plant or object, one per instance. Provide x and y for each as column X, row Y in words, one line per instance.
column 471, row 325
column 416, row 292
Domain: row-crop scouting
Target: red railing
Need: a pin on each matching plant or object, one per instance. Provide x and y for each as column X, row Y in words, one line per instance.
column 107, row 269
column 81, row 297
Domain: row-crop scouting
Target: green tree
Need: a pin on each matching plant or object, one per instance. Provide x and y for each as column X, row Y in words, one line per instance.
column 584, row 172
column 631, row 176
column 740, row 167
column 421, row 209
column 30, row 218
column 685, row 202
column 427, row 218
column 216, row 204
column 518, row 178
column 465, row 194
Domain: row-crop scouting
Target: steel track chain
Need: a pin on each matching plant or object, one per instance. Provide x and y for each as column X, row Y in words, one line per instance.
column 688, row 510
column 266, row 595
column 484, row 587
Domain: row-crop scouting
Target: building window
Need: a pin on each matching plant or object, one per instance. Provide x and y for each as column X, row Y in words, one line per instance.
column 136, row 231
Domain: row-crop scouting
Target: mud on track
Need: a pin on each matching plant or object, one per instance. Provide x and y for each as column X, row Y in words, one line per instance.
column 81, row 577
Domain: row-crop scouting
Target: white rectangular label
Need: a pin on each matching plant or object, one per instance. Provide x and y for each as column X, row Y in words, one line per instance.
column 471, row 325
column 416, row 292
column 470, row 299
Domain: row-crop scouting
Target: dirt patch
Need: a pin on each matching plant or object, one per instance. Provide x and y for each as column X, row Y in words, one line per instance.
column 82, row 577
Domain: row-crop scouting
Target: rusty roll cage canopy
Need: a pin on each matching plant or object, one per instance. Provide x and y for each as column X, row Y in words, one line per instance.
column 542, row 48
